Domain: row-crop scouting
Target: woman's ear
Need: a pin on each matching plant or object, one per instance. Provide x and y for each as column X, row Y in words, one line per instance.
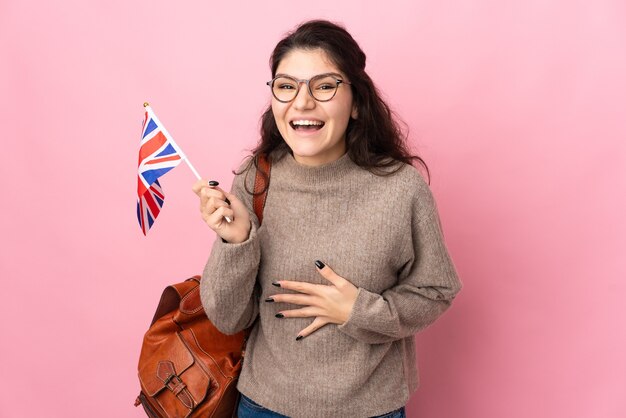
column 355, row 112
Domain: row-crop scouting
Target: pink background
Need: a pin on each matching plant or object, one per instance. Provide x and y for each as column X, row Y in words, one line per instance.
column 518, row 108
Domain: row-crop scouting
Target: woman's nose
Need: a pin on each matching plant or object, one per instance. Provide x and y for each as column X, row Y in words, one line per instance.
column 303, row 99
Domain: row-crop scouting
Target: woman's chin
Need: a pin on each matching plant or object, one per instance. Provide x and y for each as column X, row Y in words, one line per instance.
column 310, row 152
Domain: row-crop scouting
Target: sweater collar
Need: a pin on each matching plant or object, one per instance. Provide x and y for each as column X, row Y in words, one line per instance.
column 322, row 173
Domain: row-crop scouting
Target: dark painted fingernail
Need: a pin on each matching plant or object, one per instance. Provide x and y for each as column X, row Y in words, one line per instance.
column 227, row 201
column 214, row 183
column 279, row 315
column 276, row 284
column 269, row 300
column 299, row 337
column 319, row 264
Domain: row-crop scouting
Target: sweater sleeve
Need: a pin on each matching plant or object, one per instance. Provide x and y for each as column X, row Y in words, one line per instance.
column 427, row 283
column 228, row 287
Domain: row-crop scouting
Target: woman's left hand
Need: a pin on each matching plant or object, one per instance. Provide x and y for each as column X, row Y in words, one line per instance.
column 329, row 304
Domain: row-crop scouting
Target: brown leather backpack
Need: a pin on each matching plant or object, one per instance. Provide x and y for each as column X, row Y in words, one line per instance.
column 187, row 367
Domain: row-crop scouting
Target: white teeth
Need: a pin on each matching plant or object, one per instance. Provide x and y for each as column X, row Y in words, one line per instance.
column 306, row 122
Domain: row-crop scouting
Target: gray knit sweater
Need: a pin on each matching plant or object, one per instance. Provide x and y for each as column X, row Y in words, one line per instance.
column 382, row 233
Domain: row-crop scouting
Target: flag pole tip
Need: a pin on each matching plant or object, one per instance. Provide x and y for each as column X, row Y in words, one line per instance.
column 146, row 104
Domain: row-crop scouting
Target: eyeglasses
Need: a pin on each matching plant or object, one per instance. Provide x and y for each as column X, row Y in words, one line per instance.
column 322, row 87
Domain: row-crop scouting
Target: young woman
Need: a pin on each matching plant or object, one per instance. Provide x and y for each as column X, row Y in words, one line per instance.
column 349, row 262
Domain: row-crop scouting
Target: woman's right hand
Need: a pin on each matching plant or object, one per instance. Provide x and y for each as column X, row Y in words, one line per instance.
column 215, row 209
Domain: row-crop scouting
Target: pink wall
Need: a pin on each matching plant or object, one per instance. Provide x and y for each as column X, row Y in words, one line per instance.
column 518, row 107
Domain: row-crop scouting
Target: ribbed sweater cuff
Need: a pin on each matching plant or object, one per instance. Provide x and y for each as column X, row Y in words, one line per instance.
column 237, row 255
column 360, row 319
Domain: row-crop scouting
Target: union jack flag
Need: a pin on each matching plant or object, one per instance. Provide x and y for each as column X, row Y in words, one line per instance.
column 158, row 154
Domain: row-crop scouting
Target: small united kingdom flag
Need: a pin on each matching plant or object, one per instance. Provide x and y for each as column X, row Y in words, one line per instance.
column 158, row 154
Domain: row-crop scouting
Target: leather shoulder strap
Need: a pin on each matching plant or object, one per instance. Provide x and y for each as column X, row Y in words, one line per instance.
column 172, row 295
column 261, row 185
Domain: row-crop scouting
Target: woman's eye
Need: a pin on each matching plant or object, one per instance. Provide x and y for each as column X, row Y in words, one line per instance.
column 286, row 86
column 325, row 87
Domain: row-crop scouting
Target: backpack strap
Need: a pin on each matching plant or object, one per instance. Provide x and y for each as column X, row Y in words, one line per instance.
column 261, row 184
column 173, row 294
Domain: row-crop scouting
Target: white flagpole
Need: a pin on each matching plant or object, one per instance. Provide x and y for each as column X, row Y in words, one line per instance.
column 183, row 156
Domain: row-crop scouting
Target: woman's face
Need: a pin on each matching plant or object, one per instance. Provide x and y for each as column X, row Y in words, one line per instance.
column 315, row 131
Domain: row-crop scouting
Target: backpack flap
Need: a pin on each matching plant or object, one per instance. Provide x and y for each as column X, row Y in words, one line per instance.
column 173, row 378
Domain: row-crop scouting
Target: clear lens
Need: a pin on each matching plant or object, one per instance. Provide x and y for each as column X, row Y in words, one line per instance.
column 285, row 89
column 323, row 87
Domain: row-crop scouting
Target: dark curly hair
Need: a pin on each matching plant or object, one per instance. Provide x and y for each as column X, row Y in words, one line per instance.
column 375, row 140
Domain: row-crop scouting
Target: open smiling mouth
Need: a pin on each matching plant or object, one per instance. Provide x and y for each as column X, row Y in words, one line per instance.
column 306, row 125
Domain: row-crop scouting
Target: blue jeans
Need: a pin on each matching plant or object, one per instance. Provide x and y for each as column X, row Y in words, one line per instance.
column 249, row 409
